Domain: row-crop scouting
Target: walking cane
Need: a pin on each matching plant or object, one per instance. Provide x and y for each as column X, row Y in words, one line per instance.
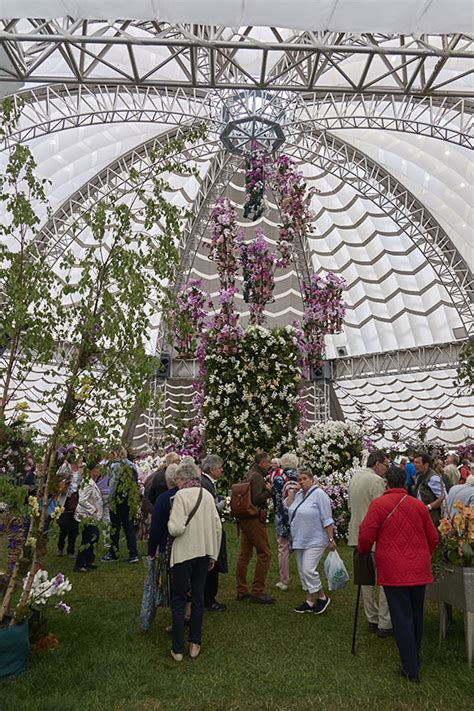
column 353, row 650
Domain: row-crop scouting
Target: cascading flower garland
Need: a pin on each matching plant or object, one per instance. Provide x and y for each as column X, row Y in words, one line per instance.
column 224, row 237
column 187, row 317
column 237, row 401
column 324, row 310
column 258, row 266
column 294, row 202
column 255, row 168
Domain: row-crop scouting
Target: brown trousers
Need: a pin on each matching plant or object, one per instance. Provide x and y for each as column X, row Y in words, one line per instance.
column 253, row 534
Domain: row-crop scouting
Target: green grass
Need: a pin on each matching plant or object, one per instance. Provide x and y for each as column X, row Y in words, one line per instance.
column 253, row 657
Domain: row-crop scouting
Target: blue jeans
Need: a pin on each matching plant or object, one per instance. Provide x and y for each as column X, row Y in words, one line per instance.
column 121, row 518
column 188, row 576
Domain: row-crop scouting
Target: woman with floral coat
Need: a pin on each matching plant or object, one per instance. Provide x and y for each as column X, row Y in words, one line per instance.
column 282, row 480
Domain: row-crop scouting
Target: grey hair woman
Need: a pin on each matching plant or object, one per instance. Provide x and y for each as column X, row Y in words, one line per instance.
column 282, row 481
column 196, row 528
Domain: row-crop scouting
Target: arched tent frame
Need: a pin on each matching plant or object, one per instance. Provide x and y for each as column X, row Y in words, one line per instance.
column 416, row 85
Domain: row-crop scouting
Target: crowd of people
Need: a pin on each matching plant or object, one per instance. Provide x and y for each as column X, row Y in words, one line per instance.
column 394, row 512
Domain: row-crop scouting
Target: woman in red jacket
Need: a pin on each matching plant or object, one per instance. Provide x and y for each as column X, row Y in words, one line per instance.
column 405, row 538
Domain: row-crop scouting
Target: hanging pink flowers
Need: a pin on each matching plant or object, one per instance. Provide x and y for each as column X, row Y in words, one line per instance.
column 258, row 265
column 294, row 201
column 224, row 236
column 255, row 174
column 188, row 316
column 225, row 332
column 324, row 310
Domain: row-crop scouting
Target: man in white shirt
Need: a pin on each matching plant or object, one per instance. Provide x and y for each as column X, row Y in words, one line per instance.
column 461, row 492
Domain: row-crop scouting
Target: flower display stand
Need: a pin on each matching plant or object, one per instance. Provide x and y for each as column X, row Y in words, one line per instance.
column 455, row 587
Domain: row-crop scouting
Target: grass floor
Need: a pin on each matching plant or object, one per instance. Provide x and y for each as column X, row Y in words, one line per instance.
column 253, row 657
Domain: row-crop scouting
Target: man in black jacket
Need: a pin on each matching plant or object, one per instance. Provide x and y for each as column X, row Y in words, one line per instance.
column 212, row 467
column 156, row 483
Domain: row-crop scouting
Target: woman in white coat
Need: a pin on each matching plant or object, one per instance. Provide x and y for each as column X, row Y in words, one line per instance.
column 196, row 528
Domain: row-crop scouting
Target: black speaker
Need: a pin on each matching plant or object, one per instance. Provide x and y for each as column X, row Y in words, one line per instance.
column 163, row 366
column 322, row 374
column 341, row 351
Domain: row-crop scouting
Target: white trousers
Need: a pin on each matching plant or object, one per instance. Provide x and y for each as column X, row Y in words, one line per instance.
column 307, row 561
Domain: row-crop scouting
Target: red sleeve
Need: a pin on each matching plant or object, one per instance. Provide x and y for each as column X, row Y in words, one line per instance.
column 430, row 531
column 369, row 528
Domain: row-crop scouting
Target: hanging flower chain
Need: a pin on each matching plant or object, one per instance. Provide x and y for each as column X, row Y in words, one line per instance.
column 324, row 311
column 258, row 265
column 294, row 201
column 187, row 317
column 255, row 174
column 224, row 236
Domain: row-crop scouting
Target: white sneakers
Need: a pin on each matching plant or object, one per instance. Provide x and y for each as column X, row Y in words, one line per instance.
column 282, row 586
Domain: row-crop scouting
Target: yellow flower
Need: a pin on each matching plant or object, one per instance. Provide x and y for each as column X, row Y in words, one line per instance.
column 31, row 542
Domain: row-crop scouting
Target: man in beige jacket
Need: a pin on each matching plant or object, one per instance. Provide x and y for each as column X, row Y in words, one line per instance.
column 366, row 485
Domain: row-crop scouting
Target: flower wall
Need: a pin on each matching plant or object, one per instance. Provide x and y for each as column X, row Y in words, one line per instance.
column 250, row 398
column 332, row 450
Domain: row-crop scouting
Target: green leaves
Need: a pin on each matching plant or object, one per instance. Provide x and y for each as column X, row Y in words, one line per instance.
column 465, row 372
column 30, row 290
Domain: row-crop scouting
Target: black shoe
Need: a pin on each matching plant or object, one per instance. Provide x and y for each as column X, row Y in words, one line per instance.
column 262, row 599
column 80, row 570
column 109, row 558
column 321, row 605
column 304, row 608
column 215, row 607
column 383, row 634
column 134, row 559
column 244, row 596
column 373, row 627
column 413, row 679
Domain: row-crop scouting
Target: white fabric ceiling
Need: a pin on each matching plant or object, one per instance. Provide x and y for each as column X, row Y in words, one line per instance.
column 400, row 16
column 396, row 298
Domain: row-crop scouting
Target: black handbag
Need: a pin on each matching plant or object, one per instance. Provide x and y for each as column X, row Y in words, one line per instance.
column 222, row 564
column 364, row 569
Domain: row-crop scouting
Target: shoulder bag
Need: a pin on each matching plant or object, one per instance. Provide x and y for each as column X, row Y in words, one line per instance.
column 364, row 569
column 301, row 503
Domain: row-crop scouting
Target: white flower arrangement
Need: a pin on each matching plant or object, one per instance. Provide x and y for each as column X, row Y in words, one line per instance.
column 331, row 447
column 44, row 588
column 250, row 403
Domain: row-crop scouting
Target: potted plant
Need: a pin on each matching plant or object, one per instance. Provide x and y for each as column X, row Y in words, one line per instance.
column 15, row 633
column 453, row 566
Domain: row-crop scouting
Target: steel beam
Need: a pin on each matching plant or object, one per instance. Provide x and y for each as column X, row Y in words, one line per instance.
column 408, row 360
column 57, row 107
column 42, row 51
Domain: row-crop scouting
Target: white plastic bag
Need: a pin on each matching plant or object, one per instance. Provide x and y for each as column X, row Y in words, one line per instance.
column 335, row 570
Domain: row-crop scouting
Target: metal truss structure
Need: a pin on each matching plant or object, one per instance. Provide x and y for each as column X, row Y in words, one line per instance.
column 52, row 108
column 378, row 185
column 410, row 360
column 58, row 232
column 320, row 148
column 176, row 76
column 199, row 56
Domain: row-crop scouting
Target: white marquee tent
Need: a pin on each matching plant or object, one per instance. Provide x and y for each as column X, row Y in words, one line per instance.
column 375, row 101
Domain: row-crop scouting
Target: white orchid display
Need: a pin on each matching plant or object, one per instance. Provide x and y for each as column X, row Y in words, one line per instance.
column 44, row 588
column 250, row 397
